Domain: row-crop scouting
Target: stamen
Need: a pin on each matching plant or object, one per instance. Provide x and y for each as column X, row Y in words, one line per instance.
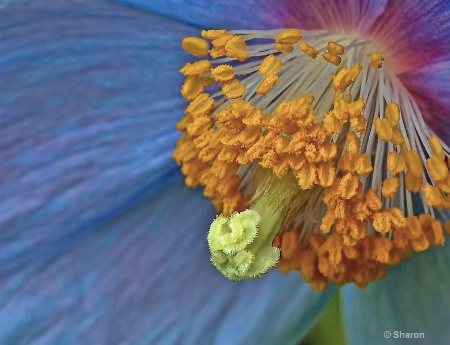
column 377, row 60
column 308, row 50
column 332, row 58
column 195, row 46
column 324, row 166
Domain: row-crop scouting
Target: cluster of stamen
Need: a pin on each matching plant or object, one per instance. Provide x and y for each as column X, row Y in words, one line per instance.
column 356, row 170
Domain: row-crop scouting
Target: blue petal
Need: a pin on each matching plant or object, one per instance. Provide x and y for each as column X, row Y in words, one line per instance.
column 429, row 85
column 212, row 14
column 252, row 14
column 145, row 278
column 89, row 97
column 413, row 298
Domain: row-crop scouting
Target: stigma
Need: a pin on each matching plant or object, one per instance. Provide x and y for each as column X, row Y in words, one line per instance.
column 314, row 154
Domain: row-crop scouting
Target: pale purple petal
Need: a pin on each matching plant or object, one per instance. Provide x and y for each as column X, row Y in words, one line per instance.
column 89, row 97
column 145, row 278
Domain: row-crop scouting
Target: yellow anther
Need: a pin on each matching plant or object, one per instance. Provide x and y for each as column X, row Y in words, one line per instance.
column 327, row 222
column 223, row 73
column 353, row 143
column 348, row 186
column 268, row 82
column 413, row 183
column 392, row 114
column 306, row 176
column 383, row 129
column 354, row 71
column 341, row 110
column 308, row 50
column 195, row 46
column 363, row 165
column 289, row 36
column 201, row 105
column 284, row 47
column 335, row 48
column 390, row 187
column 295, row 109
column 200, row 125
column 326, row 173
column 382, row 222
column 356, row 108
column 433, row 196
column 213, row 34
column 414, row 163
column 398, row 219
column 196, row 68
column 328, row 152
column 395, row 162
column 270, row 65
column 377, row 60
column 233, row 89
column 421, row 243
column 236, row 47
column 340, row 80
column 345, row 77
column 347, row 163
column 341, row 211
column 193, row 86
column 397, row 136
column 437, row 168
column 436, row 147
column 359, row 124
column 331, row 58
column 222, row 40
column 331, row 123
column 372, row 200
column 444, row 185
column 217, row 52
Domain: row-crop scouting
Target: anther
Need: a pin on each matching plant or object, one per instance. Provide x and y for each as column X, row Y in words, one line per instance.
column 332, row 58
column 335, row 48
column 289, row 36
column 308, row 50
column 195, row 46
column 377, row 60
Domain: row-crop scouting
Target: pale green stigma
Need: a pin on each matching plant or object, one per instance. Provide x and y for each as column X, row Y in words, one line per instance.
column 241, row 245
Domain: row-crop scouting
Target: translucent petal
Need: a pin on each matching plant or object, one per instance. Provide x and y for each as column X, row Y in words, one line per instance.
column 145, row 278
column 89, row 97
column 413, row 298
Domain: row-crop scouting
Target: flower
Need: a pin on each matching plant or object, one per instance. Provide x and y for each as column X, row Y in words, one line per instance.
column 101, row 243
column 339, row 176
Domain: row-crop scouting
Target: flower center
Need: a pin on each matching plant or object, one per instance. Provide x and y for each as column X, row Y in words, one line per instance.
column 318, row 164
